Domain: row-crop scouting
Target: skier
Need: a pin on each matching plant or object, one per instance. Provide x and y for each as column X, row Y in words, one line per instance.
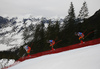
column 52, row 43
column 81, row 36
column 28, row 49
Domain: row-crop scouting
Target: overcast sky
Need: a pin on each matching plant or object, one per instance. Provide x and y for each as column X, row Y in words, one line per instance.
column 46, row 8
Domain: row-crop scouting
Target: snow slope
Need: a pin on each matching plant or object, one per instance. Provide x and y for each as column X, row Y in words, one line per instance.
column 81, row 58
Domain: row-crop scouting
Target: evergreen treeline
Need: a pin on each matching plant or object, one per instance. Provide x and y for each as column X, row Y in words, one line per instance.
column 63, row 35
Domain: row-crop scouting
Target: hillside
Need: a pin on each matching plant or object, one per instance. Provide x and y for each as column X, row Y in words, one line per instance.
column 59, row 50
column 35, row 32
column 82, row 58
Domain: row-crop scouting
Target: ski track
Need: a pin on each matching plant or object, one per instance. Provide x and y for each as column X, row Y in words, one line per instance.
column 81, row 58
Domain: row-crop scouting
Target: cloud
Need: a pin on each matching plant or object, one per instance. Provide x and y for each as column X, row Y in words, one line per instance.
column 44, row 7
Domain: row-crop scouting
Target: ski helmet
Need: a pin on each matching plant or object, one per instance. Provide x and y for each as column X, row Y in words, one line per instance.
column 50, row 40
column 25, row 47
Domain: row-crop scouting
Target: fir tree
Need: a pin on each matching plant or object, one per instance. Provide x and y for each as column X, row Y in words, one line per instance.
column 70, row 18
column 71, row 14
column 36, row 35
column 69, row 27
column 42, row 32
column 83, row 13
column 57, row 28
column 50, row 30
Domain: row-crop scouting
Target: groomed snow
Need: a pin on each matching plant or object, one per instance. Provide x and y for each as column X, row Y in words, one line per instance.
column 82, row 58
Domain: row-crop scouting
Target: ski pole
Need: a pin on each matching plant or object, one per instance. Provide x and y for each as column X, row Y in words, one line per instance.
column 58, row 41
column 89, row 34
column 84, row 31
